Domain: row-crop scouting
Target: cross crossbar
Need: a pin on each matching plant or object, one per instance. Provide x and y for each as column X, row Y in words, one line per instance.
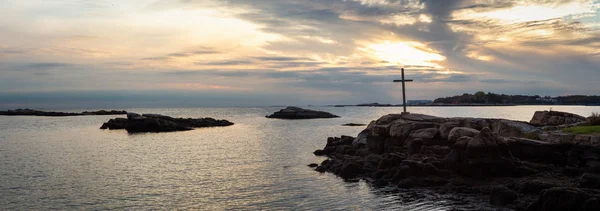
column 403, row 89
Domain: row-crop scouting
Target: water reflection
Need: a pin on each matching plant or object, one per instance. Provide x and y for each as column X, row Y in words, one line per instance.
column 256, row 164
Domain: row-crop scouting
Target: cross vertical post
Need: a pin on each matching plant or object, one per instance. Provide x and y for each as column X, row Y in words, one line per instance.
column 403, row 89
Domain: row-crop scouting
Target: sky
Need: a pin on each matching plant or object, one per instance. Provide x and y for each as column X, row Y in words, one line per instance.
column 186, row 53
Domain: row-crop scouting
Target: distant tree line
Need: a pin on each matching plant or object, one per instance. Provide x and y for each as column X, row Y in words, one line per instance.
column 481, row 97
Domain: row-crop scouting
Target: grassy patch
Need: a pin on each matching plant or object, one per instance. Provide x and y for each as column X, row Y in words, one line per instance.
column 583, row 130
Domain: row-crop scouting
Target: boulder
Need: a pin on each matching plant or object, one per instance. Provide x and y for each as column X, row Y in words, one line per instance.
column 459, row 132
column 511, row 128
column 424, row 134
column 401, row 129
column 554, row 118
column 502, row 196
column 483, row 145
column 445, row 129
column 300, row 113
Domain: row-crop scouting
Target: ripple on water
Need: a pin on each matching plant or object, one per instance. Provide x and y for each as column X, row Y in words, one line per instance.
column 256, row 164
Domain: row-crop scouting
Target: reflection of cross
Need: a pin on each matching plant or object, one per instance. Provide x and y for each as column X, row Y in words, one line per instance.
column 403, row 89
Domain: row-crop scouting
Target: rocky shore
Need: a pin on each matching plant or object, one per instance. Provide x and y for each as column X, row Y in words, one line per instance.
column 31, row 112
column 135, row 123
column 300, row 113
column 508, row 164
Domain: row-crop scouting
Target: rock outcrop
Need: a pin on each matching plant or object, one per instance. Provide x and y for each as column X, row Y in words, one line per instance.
column 491, row 160
column 300, row 113
column 31, row 112
column 555, row 118
column 136, row 123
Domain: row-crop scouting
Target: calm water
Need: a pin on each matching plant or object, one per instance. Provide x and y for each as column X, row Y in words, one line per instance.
column 257, row 164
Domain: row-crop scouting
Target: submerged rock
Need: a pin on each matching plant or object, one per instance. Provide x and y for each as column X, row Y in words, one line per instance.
column 300, row 113
column 159, row 123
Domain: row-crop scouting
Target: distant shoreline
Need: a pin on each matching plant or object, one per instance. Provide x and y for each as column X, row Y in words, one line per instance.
column 461, row 105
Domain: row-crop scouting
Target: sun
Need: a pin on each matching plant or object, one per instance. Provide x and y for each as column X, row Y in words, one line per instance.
column 405, row 53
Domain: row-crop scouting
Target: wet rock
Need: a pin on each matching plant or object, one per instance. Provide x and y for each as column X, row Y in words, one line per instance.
column 300, row 113
column 502, row 196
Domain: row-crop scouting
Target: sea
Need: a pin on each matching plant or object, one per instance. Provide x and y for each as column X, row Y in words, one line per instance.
column 68, row 163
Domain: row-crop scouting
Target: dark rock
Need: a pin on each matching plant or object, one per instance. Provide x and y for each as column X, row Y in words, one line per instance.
column 313, row 165
column 535, row 186
column 459, row 132
column 483, row 145
column 414, row 146
column 425, row 134
column 115, row 124
column 160, row 123
column 592, row 204
column 559, row 199
column 409, row 150
column 300, row 113
column 589, row 181
column 350, row 170
column 353, row 124
column 320, row 152
column 445, row 129
column 31, row 112
column 502, row 196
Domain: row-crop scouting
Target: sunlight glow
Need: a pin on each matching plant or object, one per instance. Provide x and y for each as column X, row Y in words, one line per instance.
column 406, row 53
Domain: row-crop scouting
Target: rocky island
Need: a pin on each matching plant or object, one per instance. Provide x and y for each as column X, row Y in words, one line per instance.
column 135, row 123
column 508, row 164
column 300, row 113
column 31, row 112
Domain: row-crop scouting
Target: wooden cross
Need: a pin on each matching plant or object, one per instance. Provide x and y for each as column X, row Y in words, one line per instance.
column 403, row 89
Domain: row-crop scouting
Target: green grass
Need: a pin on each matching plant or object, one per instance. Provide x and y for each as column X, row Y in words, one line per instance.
column 584, row 130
